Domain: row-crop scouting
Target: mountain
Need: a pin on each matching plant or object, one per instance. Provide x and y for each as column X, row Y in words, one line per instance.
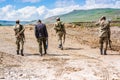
column 10, row 23
column 87, row 15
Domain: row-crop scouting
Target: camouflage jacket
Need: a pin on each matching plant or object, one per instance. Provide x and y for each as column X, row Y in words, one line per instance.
column 59, row 27
column 19, row 30
column 104, row 30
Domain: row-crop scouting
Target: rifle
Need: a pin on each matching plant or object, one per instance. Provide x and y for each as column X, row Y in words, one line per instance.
column 109, row 43
column 64, row 36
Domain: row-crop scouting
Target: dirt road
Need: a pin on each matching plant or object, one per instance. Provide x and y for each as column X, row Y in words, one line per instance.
column 75, row 62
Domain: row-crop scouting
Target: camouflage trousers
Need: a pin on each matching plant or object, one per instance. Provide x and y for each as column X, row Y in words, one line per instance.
column 102, row 41
column 20, row 43
column 41, row 41
column 60, row 39
column 103, row 44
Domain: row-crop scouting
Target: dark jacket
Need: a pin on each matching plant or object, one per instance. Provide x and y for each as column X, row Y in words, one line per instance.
column 41, row 31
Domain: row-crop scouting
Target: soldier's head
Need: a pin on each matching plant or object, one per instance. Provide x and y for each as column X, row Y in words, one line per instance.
column 17, row 21
column 57, row 19
column 39, row 21
column 103, row 18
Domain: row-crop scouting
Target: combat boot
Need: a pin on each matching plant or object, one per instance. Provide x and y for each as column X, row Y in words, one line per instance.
column 41, row 53
column 22, row 52
column 45, row 52
column 61, row 47
column 105, row 52
column 17, row 52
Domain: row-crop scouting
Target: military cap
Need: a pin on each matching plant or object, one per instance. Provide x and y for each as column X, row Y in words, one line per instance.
column 103, row 17
column 17, row 21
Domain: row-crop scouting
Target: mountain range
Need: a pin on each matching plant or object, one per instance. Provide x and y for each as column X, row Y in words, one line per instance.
column 90, row 15
column 87, row 15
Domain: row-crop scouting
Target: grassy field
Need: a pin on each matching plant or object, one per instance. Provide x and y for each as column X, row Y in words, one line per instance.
column 92, row 24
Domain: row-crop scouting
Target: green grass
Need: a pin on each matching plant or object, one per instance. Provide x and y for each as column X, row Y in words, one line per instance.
column 88, row 15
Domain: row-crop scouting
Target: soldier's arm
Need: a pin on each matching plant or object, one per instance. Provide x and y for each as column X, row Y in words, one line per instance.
column 36, row 32
column 64, row 28
column 55, row 26
column 14, row 28
column 22, row 31
column 97, row 23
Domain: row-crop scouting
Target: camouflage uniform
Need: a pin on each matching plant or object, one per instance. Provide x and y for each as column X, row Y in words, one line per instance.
column 42, row 36
column 104, row 35
column 20, row 37
column 60, row 30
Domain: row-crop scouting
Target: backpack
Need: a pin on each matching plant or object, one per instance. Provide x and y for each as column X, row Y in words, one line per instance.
column 60, row 26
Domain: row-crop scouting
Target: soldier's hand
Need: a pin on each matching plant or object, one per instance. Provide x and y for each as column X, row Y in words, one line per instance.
column 46, row 38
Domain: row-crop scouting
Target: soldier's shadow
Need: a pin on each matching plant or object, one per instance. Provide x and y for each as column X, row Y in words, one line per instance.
column 114, row 54
column 70, row 48
column 57, row 55
column 35, row 54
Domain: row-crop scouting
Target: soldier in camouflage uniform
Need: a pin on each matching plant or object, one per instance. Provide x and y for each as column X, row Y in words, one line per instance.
column 20, row 37
column 41, row 35
column 104, row 34
column 61, row 32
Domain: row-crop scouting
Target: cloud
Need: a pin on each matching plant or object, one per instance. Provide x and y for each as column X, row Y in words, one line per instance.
column 27, row 13
column 90, row 4
column 31, row 12
column 64, row 3
column 2, row 1
column 9, row 12
column 62, row 7
column 61, row 10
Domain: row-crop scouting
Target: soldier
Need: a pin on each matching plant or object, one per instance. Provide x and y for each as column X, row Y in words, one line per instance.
column 20, row 37
column 104, row 34
column 41, row 35
column 61, row 32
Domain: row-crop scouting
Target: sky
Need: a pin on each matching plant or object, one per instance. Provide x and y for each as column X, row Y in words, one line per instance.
column 28, row 10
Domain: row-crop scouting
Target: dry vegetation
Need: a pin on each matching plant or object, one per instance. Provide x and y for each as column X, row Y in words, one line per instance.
column 89, row 35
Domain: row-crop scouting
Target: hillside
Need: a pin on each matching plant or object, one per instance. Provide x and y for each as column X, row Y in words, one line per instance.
column 88, row 15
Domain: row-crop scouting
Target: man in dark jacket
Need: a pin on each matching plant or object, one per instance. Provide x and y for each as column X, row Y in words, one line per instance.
column 42, row 35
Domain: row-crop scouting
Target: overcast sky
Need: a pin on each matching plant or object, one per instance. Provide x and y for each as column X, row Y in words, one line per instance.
column 41, row 9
